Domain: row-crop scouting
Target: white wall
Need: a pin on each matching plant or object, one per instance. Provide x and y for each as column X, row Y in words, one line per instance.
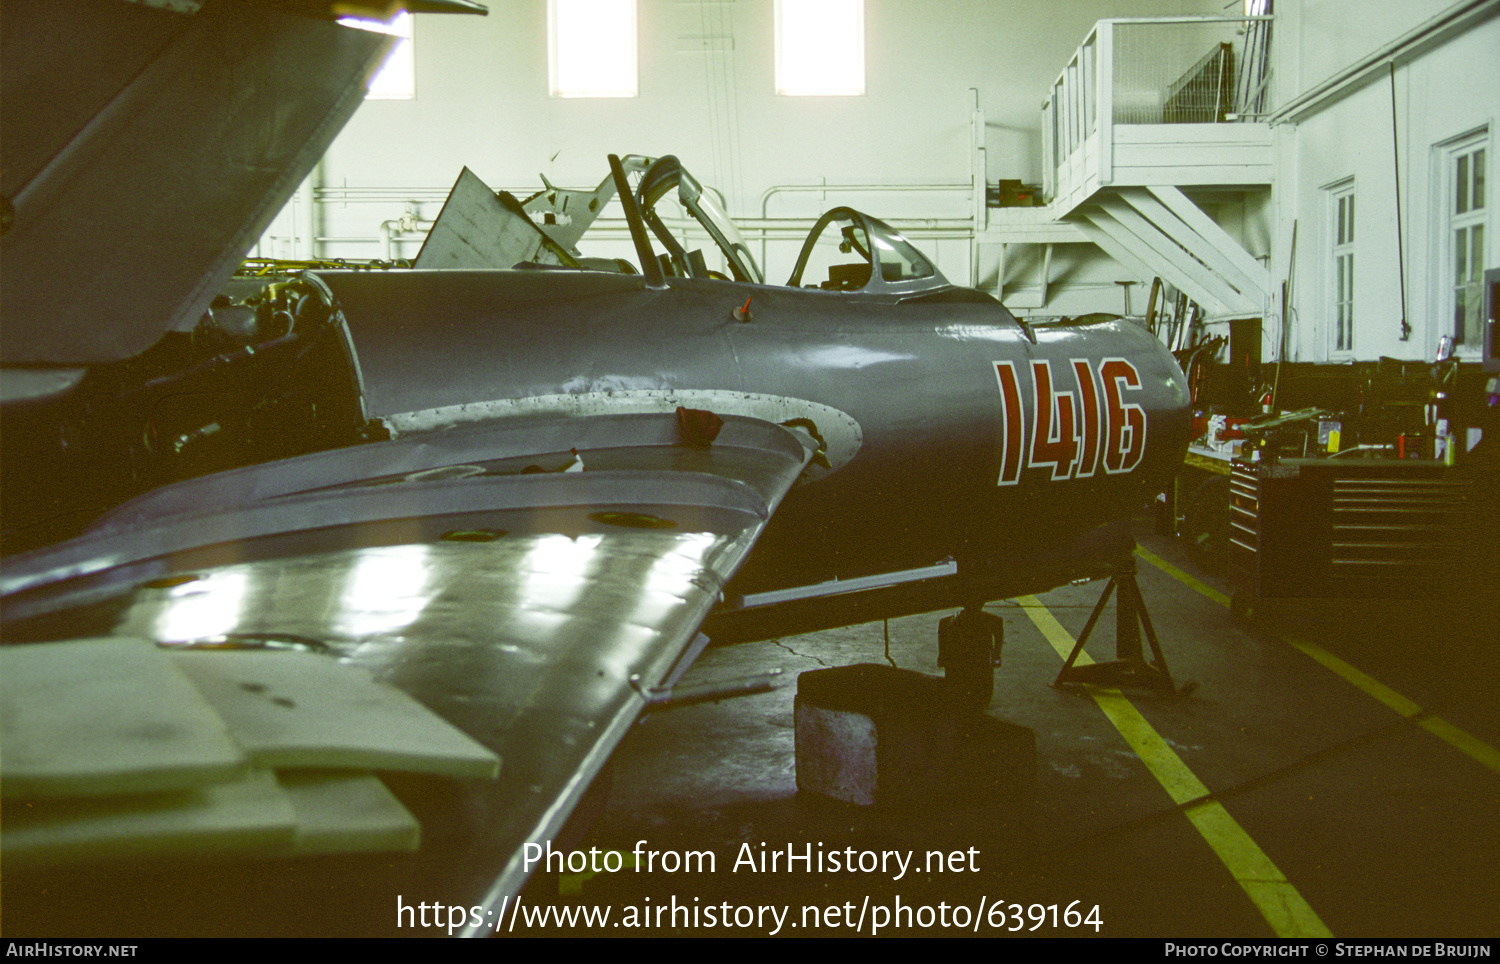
column 1439, row 93
column 1325, row 36
column 482, row 101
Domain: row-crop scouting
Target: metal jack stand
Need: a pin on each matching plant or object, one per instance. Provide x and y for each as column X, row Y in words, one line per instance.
column 1129, row 668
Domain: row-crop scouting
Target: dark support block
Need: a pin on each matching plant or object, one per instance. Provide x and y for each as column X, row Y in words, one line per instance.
column 879, row 736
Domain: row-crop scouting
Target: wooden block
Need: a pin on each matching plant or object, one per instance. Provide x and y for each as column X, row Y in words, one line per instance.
column 339, row 812
column 292, row 709
column 875, row 735
column 835, row 753
column 251, row 815
column 105, row 716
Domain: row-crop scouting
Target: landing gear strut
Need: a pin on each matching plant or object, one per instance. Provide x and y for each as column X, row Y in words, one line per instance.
column 1129, row 668
column 968, row 651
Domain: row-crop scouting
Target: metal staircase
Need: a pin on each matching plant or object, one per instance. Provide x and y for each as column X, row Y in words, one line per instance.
column 1146, row 113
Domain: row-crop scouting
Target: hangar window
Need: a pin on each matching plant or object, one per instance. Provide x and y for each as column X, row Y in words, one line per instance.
column 397, row 79
column 592, row 48
column 1341, row 236
column 820, row 48
column 1465, row 216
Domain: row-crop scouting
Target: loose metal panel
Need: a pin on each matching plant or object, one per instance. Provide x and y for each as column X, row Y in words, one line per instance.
column 132, row 226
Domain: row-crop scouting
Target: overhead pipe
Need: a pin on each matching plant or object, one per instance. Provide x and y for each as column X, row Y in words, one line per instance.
column 392, row 231
column 778, row 189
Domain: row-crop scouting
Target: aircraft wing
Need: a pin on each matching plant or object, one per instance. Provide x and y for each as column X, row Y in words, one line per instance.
column 536, row 607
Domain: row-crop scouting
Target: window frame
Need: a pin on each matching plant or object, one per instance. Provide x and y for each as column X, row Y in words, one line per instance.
column 1448, row 161
column 555, row 66
column 1341, row 220
column 783, row 50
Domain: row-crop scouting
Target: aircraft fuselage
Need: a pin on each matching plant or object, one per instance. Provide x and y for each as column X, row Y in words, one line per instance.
column 951, row 433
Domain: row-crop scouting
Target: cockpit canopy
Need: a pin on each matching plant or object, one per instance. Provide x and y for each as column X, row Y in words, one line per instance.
column 667, row 173
column 853, row 251
column 884, row 262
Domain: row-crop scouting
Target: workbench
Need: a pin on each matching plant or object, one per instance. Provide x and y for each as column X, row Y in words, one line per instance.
column 1346, row 528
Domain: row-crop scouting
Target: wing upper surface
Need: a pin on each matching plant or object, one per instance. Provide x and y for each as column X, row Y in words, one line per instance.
column 534, row 610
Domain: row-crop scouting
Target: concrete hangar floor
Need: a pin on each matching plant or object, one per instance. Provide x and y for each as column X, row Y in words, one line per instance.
column 1335, row 773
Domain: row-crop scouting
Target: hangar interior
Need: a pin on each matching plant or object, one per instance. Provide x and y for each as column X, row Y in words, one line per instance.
column 1296, row 201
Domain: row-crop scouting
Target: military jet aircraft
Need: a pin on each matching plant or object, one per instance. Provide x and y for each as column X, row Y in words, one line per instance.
column 515, row 485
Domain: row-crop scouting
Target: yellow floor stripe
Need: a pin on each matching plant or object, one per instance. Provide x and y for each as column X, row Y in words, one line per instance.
column 1276, row 899
column 1460, row 739
column 1183, row 577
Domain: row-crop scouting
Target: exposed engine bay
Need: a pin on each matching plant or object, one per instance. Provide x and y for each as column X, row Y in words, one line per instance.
column 266, row 373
